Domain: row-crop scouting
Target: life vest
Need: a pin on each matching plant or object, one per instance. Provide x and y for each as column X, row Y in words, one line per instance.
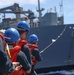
column 32, row 47
column 22, row 42
column 14, row 53
column 2, row 39
column 2, row 42
column 2, row 36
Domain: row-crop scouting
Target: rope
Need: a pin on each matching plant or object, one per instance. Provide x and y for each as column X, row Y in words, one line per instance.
column 54, row 41
column 7, row 48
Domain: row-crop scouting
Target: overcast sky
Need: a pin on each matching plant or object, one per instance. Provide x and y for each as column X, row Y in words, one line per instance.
column 68, row 7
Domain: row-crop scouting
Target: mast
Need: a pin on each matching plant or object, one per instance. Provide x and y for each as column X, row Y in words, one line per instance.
column 39, row 10
column 61, row 16
column 61, row 8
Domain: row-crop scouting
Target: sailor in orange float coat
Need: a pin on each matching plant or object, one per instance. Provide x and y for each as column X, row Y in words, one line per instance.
column 15, row 51
column 23, row 29
column 36, row 57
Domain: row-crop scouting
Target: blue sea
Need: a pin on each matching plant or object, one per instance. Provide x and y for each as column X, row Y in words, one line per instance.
column 63, row 72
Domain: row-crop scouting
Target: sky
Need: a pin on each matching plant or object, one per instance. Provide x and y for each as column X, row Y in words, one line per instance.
column 68, row 7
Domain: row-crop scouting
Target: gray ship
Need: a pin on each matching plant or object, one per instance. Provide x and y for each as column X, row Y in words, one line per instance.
column 56, row 39
column 56, row 44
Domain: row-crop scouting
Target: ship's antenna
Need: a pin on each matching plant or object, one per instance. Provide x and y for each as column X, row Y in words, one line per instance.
column 55, row 9
column 50, row 10
column 61, row 8
column 61, row 16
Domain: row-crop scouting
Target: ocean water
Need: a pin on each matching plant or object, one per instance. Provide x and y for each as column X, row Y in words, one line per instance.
column 63, row 72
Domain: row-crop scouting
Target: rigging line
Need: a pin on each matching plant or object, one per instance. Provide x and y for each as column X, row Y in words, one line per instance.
column 54, row 41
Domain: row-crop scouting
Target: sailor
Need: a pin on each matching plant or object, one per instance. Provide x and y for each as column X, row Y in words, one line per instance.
column 23, row 29
column 36, row 57
column 15, row 52
column 6, row 66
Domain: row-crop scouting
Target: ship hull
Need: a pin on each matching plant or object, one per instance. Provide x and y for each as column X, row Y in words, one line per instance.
column 56, row 45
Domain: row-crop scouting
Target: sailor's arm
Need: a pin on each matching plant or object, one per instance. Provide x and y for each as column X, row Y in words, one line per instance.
column 6, row 65
column 24, row 62
column 27, row 52
column 37, row 55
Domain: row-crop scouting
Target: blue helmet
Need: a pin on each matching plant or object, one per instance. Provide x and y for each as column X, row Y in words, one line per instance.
column 12, row 35
column 33, row 38
column 23, row 25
